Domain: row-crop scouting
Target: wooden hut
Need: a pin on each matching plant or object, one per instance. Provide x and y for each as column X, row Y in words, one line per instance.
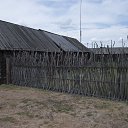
column 17, row 38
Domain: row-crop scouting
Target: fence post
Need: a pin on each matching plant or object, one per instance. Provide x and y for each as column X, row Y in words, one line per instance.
column 8, row 70
column 2, row 69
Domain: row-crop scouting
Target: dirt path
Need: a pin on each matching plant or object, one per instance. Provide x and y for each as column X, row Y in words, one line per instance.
column 32, row 108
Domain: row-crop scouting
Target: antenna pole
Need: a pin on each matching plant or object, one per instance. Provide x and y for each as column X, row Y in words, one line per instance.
column 80, row 20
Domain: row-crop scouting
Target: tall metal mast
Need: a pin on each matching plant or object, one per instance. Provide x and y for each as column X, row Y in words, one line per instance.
column 80, row 20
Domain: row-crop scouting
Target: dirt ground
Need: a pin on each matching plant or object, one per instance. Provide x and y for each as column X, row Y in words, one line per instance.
column 22, row 107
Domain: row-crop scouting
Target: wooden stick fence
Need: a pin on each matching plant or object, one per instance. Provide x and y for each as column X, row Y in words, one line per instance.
column 73, row 73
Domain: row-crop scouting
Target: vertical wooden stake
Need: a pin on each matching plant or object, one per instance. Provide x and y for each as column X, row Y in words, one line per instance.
column 8, row 71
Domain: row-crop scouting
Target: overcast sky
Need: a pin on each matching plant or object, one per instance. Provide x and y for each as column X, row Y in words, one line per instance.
column 102, row 20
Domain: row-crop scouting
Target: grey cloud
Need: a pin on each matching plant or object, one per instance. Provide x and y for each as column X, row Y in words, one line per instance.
column 35, row 13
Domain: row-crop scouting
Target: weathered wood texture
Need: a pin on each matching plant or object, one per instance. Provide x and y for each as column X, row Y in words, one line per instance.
column 2, row 69
column 8, row 70
column 73, row 73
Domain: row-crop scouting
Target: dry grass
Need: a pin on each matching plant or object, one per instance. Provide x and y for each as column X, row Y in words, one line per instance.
column 22, row 107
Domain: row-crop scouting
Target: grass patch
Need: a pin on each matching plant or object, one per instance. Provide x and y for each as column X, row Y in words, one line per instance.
column 33, row 102
column 12, row 87
column 8, row 119
column 61, row 106
column 26, row 101
column 91, row 113
column 28, row 114
column 9, row 87
column 102, row 105
column 2, row 105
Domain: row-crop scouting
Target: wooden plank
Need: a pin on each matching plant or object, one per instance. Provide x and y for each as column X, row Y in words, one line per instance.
column 8, row 70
